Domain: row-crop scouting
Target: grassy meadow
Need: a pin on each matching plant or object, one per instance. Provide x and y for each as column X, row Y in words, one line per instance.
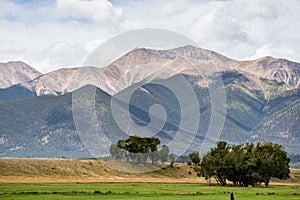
column 68, row 179
column 141, row 191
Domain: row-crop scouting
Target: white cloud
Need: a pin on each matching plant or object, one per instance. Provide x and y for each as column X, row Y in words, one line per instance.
column 52, row 34
column 131, row 24
column 267, row 50
column 95, row 10
column 92, row 45
column 65, row 54
column 171, row 8
column 11, row 47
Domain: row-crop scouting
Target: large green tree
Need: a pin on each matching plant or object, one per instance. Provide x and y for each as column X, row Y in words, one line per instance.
column 271, row 161
column 245, row 164
column 213, row 163
column 139, row 149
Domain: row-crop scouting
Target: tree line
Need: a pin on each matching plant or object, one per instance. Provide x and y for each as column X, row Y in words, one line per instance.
column 245, row 164
column 138, row 149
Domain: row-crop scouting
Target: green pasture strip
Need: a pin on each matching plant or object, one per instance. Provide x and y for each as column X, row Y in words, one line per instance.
column 147, row 197
column 142, row 191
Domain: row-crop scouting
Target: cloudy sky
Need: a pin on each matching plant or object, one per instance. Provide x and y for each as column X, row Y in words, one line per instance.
column 52, row 34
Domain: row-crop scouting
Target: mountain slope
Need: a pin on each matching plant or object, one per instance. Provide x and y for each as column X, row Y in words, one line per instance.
column 270, row 68
column 140, row 64
column 46, row 126
column 262, row 102
column 15, row 92
column 12, row 73
column 63, row 81
column 250, row 117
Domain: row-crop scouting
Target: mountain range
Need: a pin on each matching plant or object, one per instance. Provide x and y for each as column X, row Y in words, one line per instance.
column 262, row 100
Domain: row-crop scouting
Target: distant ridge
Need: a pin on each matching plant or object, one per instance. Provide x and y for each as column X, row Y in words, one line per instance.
column 134, row 67
column 15, row 72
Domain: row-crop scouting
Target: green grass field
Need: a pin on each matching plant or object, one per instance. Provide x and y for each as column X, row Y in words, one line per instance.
column 142, row 191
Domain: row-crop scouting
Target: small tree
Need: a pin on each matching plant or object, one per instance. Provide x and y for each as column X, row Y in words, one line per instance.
column 194, row 158
column 116, row 152
column 154, row 156
column 164, row 153
column 172, row 159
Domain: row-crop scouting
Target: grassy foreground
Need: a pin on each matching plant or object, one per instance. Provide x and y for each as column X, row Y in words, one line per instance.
column 141, row 191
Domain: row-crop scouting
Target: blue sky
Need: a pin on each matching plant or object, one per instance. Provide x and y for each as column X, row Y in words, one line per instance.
column 62, row 33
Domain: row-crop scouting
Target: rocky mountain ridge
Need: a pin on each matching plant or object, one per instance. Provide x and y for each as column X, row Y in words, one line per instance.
column 15, row 72
column 140, row 64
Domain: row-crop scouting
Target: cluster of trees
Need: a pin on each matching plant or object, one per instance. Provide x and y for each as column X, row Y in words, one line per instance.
column 246, row 164
column 138, row 149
